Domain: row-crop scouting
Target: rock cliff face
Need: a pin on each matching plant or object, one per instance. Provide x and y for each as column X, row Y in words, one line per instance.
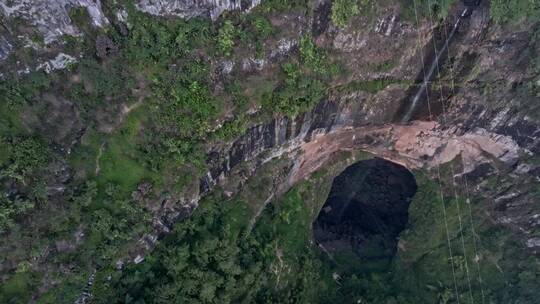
column 193, row 8
column 480, row 115
column 51, row 18
column 485, row 127
column 361, row 110
column 477, row 126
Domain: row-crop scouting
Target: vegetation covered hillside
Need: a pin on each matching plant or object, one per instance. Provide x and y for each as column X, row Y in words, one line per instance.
column 107, row 136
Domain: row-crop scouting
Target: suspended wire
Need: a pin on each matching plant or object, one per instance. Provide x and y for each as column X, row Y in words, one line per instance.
column 452, row 171
column 476, row 256
column 438, row 165
column 467, row 196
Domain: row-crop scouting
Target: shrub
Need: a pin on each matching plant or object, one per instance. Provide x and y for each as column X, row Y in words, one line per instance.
column 10, row 209
column 299, row 92
column 232, row 129
column 343, row 11
column 26, row 156
column 262, row 27
column 15, row 93
column 311, row 55
column 503, row 11
column 226, row 36
column 183, row 110
column 103, row 80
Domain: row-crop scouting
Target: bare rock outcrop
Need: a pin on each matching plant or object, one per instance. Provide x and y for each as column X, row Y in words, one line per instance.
column 194, row 8
column 51, row 18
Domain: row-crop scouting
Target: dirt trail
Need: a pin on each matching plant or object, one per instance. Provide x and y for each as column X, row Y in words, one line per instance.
column 100, row 153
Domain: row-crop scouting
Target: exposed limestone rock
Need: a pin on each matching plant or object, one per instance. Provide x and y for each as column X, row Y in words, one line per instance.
column 424, row 141
column 86, row 295
column 419, row 145
column 227, row 66
column 534, row 242
column 5, row 48
column 60, row 62
column 51, row 18
column 349, row 42
column 385, row 26
column 138, row 259
column 193, row 8
column 105, row 47
column 253, row 64
column 284, row 47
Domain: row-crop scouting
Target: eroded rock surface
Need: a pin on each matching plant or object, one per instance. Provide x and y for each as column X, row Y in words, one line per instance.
column 481, row 137
column 51, row 18
column 193, row 8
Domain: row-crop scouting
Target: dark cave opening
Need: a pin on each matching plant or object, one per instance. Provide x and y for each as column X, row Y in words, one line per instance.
column 365, row 212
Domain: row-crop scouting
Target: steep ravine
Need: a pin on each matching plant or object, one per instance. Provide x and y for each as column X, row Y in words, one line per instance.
column 471, row 144
column 475, row 159
column 349, row 122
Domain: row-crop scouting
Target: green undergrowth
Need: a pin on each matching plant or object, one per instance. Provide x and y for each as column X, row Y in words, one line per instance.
column 15, row 288
column 212, row 258
column 281, row 5
column 162, row 70
column 166, row 66
column 305, row 80
column 344, row 10
column 24, row 155
column 431, row 9
column 512, row 11
column 116, row 158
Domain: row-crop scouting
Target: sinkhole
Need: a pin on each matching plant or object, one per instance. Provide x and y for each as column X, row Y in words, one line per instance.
column 365, row 212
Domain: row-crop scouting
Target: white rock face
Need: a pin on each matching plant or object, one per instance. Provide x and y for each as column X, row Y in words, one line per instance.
column 60, row 62
column 193, row 8
column 5, row 48
column 251, row 64
column 534, row 242
column 51, row 18
column 284, row 47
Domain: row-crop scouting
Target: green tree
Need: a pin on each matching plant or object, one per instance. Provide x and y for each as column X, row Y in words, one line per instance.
column 343, row 11
column 503, row 11
column 26, row 156
column 226, row 36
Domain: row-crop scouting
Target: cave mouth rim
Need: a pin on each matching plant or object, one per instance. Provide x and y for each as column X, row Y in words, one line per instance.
column 370, row 172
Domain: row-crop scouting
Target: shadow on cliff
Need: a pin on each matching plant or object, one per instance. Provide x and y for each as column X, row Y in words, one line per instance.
column 366, row 210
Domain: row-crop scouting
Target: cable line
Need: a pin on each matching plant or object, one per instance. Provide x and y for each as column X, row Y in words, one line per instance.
column 468, row 200
column 452, row 171
column 476, row 256
column 438, row 165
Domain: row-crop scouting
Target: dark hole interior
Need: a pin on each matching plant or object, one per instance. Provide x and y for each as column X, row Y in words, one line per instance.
column 366, row 210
